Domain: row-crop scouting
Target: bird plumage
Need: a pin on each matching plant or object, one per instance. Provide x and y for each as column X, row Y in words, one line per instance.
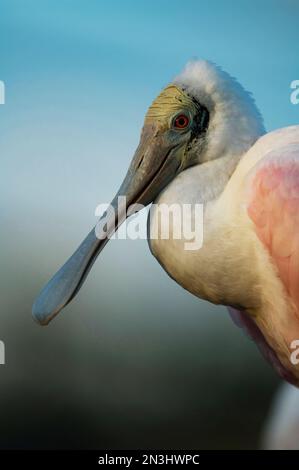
column 204, row 142
column 234, row 267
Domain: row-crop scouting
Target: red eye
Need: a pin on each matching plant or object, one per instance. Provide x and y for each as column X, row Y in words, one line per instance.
column 181, row 121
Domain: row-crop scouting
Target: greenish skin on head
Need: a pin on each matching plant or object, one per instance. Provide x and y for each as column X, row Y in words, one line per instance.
column 171, row 101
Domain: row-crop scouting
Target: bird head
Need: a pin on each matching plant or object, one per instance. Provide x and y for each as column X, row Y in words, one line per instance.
column 189, row 122
column 174, row 125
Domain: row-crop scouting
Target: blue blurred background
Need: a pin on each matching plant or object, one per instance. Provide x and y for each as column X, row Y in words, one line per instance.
column 134, row 361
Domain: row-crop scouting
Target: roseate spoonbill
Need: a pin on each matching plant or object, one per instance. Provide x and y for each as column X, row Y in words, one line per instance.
column 203, row 141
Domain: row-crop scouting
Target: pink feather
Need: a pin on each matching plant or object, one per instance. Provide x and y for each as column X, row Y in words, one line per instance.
column 274, row 209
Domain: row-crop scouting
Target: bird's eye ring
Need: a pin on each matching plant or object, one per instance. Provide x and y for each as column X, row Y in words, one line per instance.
column 181, row 121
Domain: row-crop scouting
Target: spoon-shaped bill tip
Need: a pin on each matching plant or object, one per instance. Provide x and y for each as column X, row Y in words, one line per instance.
column 64, row 285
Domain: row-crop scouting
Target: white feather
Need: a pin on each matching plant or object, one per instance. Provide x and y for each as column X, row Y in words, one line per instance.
column 235, row 121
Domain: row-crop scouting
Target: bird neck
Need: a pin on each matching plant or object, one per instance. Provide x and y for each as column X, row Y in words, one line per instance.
column 212, row 177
